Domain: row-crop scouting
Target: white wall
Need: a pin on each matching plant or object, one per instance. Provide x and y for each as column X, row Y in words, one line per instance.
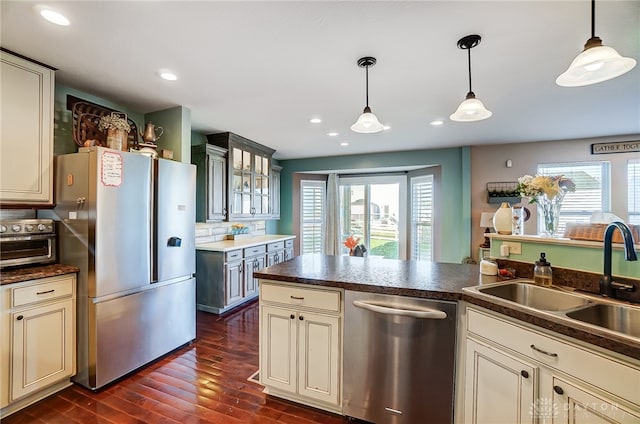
column 488, row 163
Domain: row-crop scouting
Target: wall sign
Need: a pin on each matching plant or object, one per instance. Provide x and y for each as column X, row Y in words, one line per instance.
column 617, row 147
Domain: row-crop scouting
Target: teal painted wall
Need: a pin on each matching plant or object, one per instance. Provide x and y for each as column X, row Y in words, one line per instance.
column 455, row 196
column 583, row 258
column 63, row 131
column 176, row 123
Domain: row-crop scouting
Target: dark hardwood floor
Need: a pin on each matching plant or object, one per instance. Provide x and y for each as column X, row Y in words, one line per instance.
column 204, row 382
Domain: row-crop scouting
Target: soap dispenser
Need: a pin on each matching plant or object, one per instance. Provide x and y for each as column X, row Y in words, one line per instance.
column 542, row 272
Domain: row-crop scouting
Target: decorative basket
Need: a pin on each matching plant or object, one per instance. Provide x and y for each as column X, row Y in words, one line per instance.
column 595, row 232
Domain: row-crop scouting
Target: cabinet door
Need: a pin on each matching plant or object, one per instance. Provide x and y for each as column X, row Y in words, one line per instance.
column 288, row 253
column 216, row 188
column 319, row 357
column 573, row 404
column 262, row 185
column 26, row 151
column 275, row 192
column 275, row 257
column 241, row 184
column 278, row 348
column 250, row 265
column 233, row 283
column 43, row 346
column 499, row 388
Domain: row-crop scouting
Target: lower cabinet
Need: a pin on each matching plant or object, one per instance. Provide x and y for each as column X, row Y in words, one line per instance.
column 300, row 344
column 38, row 340
column 517, row 374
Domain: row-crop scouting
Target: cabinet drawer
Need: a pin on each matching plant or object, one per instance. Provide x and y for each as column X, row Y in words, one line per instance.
column 254, row 251
column 47, row 290
column 607, row 373
column 278, row 245
column 288, row 244
column 234, row 255
column 326, row 300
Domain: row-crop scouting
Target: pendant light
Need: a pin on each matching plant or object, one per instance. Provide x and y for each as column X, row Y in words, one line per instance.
column 596, row 63
column 367, row 122
column 471, row 109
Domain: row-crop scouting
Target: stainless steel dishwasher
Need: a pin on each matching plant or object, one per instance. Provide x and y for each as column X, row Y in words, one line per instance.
column 399, row 359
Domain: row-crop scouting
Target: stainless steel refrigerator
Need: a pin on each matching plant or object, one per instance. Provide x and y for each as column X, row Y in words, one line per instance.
column 128, row 222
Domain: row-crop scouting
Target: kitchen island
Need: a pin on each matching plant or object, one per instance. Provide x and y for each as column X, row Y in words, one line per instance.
column 311, row 289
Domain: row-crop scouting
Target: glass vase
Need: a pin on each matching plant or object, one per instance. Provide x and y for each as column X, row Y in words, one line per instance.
column 549, row 209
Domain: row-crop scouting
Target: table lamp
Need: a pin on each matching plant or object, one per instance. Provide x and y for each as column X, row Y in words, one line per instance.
column 486, row 221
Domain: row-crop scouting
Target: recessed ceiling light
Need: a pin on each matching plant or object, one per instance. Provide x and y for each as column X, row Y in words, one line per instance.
column 437, row 122
column 386, row 127
column 333, row 134
column 52, row 16
column 344, row 143
column 168, row 76
column 315, row 120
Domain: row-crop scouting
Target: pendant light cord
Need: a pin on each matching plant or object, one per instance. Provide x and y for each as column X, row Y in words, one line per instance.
column 469, row 52
column 593, row 18
column 366, row 68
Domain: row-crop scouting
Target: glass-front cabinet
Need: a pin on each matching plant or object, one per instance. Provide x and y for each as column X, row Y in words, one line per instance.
column 249, row 176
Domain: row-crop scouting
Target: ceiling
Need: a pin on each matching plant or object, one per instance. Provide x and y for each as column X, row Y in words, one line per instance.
column 263, row 69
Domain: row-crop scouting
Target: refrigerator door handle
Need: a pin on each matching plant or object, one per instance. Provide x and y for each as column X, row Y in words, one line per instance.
column 174, row 241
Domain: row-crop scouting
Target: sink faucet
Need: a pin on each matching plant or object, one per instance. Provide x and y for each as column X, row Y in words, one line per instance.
column 608, row 287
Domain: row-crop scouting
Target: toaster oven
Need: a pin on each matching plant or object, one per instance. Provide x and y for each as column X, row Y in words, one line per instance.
column 27, row 242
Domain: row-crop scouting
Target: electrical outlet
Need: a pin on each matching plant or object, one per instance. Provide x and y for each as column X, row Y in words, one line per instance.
column 514, row 248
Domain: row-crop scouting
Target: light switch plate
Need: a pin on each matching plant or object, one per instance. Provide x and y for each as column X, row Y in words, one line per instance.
column 514, row 248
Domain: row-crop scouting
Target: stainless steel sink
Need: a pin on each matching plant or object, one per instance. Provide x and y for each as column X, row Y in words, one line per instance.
column 536, row 297
column 619, row 318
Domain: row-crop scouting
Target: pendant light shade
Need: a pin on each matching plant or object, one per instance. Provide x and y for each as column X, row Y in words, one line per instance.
column 471, row 109
column 367, row 122
column 596, row 63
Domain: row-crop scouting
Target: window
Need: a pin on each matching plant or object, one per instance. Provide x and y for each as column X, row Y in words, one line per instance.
column 592, row 190
column 372, row 208
column 633, row 177
column 312, row 199
column 422, row 217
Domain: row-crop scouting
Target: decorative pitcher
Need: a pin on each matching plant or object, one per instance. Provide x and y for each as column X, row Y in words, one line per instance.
column 150, row 134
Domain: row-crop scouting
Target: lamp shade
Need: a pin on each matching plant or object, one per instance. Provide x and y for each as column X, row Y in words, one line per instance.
column 470, row 110
column 594, row 65
column 367, row 123
column 486, row 220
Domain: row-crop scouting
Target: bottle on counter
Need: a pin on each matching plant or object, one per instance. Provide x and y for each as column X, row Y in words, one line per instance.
column 542, row 274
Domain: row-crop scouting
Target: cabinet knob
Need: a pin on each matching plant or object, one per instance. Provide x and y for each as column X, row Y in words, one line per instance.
column 524, row 373
column 292, row 316
column 301, row 318
column 19, row 317
column 224, row 212
column 558, row 390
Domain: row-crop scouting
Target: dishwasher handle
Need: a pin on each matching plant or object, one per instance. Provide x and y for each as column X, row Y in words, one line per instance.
column 424, row 313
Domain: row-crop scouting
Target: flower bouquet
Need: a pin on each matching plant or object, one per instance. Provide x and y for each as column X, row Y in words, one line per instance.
column 351, row 242
column 117, row 130
column 547, row 191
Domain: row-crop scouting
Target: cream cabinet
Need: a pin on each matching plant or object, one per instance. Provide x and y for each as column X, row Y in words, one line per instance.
column 516, row 373
column 26, row 133
column 300, row 344
column 38, row 339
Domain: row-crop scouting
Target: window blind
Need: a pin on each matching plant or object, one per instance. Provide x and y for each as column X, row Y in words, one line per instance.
column 312, row 197
column 422, row 217
column 592, row 190
column 633, row 184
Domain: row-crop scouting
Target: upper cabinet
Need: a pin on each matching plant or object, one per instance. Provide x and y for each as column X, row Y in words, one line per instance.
column 275, row 191
column 26, row 132
column 211, row 181
column 249, row 184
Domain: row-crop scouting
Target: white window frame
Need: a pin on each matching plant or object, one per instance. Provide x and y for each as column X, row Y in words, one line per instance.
column 401, row 180
column 633, row 196
column 574, row 198
column 322, row 186
column 413, row 182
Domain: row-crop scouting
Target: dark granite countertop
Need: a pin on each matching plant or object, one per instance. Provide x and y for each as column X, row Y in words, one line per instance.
column 17, row 275
column 432, row 280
